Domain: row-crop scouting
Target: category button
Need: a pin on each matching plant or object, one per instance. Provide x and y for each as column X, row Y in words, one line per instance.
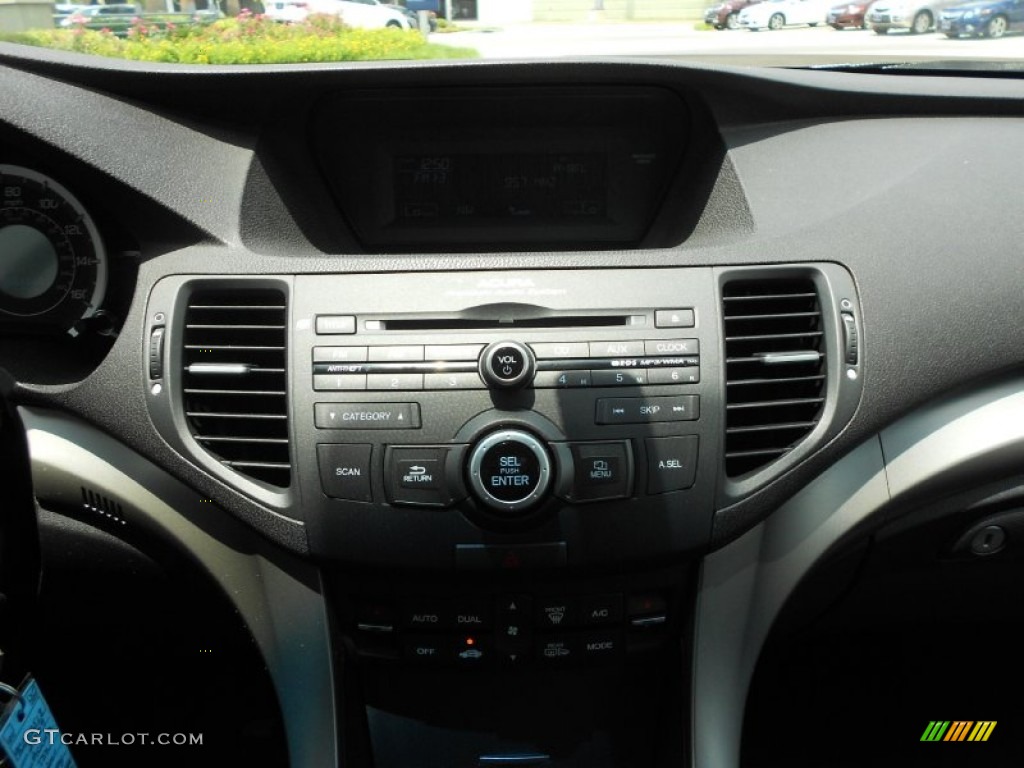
column 366, row 415
column 345, row 471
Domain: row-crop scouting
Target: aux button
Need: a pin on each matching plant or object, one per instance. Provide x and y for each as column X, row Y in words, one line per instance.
column 507, row 365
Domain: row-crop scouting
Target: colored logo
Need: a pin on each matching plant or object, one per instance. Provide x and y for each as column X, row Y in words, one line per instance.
column 958, row 730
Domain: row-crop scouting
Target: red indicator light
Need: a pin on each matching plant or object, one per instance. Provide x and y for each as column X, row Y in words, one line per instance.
column 470, row 641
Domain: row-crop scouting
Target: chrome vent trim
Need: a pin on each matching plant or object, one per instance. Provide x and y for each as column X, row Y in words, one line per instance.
column 234, row 379
column 775, row 369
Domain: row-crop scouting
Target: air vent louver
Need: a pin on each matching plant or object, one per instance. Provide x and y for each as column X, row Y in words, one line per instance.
column 235, row 380
column 775, row 369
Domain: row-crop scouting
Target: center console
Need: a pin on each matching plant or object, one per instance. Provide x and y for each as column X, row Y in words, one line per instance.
column 507, row 478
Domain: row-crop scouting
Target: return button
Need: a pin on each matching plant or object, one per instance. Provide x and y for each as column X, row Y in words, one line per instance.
column 366, row 415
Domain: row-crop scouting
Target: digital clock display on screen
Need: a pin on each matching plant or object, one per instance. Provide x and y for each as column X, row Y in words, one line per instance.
column 449, row 188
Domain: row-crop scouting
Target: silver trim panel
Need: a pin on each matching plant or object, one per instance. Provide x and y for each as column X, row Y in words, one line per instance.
column 278, row 596
column 962, row 439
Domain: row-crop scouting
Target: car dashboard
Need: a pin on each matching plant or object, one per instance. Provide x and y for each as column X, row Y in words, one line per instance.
column 508, row 405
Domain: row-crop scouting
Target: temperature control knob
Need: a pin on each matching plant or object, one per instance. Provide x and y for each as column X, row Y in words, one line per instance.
column 507, row 365
column 509, row 471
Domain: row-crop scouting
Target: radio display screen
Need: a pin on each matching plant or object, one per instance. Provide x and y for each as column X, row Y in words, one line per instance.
column 451, row 188
column 545, row 166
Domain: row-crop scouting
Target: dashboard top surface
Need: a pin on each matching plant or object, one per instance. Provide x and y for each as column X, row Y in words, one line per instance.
column 898, row 179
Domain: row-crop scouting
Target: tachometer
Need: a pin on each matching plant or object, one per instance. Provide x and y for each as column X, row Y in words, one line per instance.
column 53, row 268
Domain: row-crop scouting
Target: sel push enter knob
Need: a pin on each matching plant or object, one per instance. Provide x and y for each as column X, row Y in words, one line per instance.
column 507, row 365
column 509, row 470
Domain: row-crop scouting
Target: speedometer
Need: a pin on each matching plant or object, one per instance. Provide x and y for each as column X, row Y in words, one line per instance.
column 53, row 268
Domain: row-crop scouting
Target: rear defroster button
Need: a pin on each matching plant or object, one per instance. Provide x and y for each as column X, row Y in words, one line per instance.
column 510, row 470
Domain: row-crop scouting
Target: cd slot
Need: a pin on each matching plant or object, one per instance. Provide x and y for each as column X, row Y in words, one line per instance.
column 482, row 323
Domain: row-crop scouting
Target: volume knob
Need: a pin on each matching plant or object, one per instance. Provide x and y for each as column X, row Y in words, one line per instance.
column 507, row 365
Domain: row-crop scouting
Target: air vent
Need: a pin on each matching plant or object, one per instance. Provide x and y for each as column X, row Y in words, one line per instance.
column 775, row 369
column 101, row 506
column 235, row 380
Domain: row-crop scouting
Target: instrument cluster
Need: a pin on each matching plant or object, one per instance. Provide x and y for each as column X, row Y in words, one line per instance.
column 59, row 294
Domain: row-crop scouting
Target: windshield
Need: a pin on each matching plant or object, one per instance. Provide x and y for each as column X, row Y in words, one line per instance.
column 957, row 33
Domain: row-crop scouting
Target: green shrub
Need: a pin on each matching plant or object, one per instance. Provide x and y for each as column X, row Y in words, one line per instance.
column 247, row 39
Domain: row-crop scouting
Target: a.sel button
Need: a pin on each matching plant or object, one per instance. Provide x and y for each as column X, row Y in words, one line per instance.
column 671, row 463
column 366, row 415
column 345, row 471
